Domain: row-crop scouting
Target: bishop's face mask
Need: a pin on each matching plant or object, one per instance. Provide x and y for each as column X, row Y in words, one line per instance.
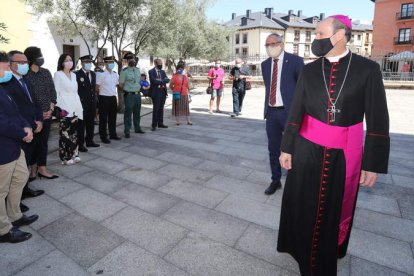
column 320, row 47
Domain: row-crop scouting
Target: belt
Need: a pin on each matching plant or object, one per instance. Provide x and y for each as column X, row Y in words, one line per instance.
column 131, row 93
column 277, row 107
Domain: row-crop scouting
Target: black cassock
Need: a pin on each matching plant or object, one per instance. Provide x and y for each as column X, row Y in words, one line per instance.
column 315, row 186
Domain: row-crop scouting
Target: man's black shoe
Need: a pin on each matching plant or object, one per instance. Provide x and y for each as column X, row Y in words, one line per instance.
column 127, row 135
column 27, row 192
column 162, row 126
column 273, row 187
column 105, row 140
column 23, row 208
column 15, row 235
column 153, row 129
column 82, row 148
column 115, row 138
column 92, row 145
column 25, row 220
column 139, row 131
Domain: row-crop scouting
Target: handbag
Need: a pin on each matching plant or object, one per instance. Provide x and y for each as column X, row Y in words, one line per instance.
column 177, row 94
column 210, row 89
column 248, row 85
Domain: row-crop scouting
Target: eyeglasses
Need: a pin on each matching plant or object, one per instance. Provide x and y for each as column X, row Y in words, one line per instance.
column 272, row 44
column 20, row 62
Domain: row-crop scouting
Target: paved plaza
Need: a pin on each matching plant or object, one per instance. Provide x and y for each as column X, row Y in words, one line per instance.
column 188, row 200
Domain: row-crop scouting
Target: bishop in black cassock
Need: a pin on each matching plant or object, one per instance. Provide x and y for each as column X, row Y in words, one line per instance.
column 324, row 152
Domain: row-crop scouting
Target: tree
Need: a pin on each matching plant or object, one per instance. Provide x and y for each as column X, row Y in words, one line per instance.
column 3, row 39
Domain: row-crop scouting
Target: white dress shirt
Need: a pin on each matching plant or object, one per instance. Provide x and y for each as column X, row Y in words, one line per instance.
column 67, row 94
column 107, row 83
column 279, row 100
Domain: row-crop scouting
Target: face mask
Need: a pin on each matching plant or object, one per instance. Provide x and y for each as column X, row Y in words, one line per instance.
column 159, row 66
column 111, row 66
column 22, row 69
column 274, row 52
column 7, row 76
column 217, row 65
column 39, row 61
column 87, row 66
column 102, row 67
column 180, row 71
column 238, row 65
column 320, row 47
column 68, row 64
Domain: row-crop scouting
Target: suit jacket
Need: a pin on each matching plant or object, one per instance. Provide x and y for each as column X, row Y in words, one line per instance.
column 29, row 108
column 292, row 66
column 157, row 86
column 86, row 89
column 11, row 128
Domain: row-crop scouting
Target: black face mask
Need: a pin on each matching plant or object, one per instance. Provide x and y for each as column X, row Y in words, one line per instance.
column 320, row 47
column 132, row 63
column 39, row 61
column 159, row 66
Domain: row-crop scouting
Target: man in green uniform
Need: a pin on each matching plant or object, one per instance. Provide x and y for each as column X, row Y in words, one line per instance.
column 129, row 81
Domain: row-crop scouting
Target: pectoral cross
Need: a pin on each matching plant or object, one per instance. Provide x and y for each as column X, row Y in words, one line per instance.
column 332, row 112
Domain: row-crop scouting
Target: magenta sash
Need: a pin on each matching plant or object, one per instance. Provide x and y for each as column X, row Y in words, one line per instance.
column 350, row 140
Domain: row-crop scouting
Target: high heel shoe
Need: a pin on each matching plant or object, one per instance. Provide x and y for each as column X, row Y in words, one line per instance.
column 47, row 177
column 189, row 123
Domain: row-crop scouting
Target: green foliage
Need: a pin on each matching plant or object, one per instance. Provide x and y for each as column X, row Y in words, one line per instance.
column 3, row 39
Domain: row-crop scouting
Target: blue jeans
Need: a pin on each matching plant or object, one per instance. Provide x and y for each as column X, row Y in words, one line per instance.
column 238, row 96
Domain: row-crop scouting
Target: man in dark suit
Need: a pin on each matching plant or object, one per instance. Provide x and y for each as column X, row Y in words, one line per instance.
column 22, row 93
column 14, row 130
column 280, row 74
column 158, row 94
column 86, row 79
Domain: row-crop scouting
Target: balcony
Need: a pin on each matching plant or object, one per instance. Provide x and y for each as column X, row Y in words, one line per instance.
column 404, row 15
column 404, row 41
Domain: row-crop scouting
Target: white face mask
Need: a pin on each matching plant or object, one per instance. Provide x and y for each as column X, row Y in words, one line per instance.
column 68, row 64
column 274, row 52
column 238, row 65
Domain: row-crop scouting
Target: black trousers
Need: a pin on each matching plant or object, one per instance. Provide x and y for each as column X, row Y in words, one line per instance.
column 107, row 116
column 39, row 154
column 158, row 102
column 88, row 125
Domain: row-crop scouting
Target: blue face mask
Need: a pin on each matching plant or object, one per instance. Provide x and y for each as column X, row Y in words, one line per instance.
column 87, row 66
column 7, row 76
column 180, row 71
column 22, row 69
column 111, row 66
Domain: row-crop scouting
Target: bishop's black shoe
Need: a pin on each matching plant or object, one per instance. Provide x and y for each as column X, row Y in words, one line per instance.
column 273, row 187
column 15, row 235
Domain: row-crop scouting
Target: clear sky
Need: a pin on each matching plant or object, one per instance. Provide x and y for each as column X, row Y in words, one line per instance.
column 221, row 10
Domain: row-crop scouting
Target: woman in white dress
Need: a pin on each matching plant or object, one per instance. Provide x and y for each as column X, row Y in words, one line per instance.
column 70, row 109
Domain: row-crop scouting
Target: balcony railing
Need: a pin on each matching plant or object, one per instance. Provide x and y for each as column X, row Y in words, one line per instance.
column 403, row 41
column 404, row 15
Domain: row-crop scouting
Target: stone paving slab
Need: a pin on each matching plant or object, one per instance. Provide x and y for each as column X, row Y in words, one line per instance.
column 379, row 204
column 184, row 159
column 194, row 193
column 54, row 263
column 361, row 267
column 57, row 188
column 99, row 181
column 144, row 177
column 224, row 169
column 215, row 225
column 185, row 173
column 144, row 162
column 107, row 166
column 83, row 240
column 201, row 256
column 130, row 260
column 146, row 199
column 149, row 232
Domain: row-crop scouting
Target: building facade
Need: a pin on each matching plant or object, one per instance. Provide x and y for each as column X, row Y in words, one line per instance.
column 297, row 30
column 393, row 27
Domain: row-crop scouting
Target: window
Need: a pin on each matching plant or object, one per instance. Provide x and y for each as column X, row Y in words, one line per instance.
column 407, row 10
column 308, row 36
column 404, row 36
column 307, row 50
column 245, row 38
column 237, row 51
column 237, row 38
column 359, row 37
column 297, row 35
column 245, row 51
column 295, row 49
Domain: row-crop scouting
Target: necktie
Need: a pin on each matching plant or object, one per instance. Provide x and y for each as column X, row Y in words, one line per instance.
column 23, row 83
column 273, row 88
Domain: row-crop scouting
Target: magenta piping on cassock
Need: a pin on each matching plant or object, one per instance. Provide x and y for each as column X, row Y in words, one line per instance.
column 350, row 140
